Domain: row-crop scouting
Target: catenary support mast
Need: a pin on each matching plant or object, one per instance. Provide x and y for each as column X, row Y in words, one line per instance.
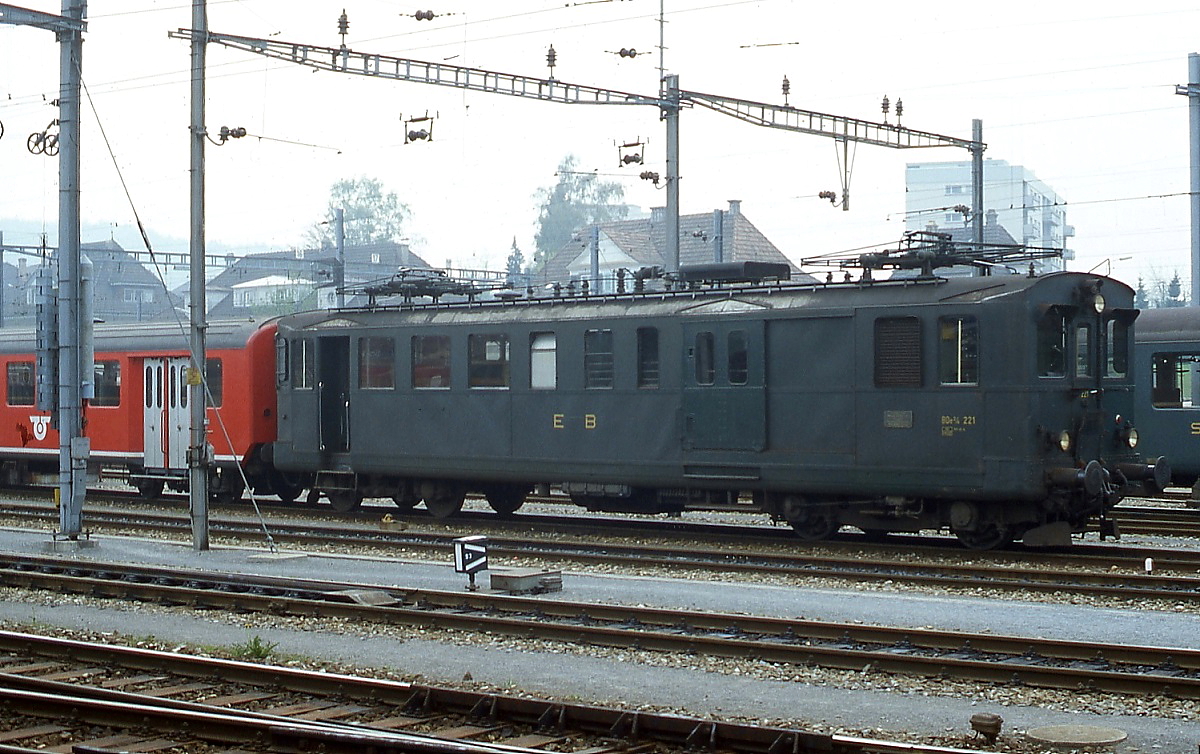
column 198, row 460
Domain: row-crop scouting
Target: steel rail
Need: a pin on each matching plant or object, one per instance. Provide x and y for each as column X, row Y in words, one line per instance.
column 1126, row 582
column 982, row 657
column 429, row 700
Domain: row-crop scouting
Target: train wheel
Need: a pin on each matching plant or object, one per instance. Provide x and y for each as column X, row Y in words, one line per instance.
column 149, row 489
column 445, row 502
column 988, row 537
column 285, row 487
column 405, row 500
column 505, row 499
column 810, row 522
column 344, row 501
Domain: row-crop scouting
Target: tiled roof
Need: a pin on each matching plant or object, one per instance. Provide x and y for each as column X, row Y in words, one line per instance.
column 645, row 240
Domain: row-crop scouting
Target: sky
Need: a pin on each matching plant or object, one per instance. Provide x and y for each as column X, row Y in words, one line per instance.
column 1080, row 93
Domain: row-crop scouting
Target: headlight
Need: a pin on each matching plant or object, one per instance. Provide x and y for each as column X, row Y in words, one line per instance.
column 1098, row 303
column 1064, row 441
column 1131, row 437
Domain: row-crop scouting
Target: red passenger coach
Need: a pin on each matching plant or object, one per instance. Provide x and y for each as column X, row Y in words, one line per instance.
column 139, row 420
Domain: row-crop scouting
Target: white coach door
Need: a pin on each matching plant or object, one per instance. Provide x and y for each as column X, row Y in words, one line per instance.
column 166, row 421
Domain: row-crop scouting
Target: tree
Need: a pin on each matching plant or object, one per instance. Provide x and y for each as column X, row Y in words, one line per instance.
column 576, row 201
column 515, row 266
column 369, row 214
column 1140, row 299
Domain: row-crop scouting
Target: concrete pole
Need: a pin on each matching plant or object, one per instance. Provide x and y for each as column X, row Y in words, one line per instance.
column 670, row 113
column 594, row 253
column 977, row 181
column 340, row 232
column 73, row 448
column 198, row 460
column 1194, row 118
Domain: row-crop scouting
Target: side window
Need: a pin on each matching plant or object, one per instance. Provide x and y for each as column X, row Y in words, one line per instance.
column 303, row 364
column 1052, row 345
column 376, row 363
column 543, row 361
column 281, row 361
column 1083, row 351
column 705, row 358
column 1172, row 378
column 738, row 366
column 1117, row 360
column 958, row 351
column 431, row 361
column 214, row 373
column 897, row 352
column 149, row 386
column 20, row 383
column 488, row 360
column 598, row 359
column 647, row 357
column 108, row 383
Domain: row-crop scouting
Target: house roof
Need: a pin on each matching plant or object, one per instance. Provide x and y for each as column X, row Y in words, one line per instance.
column 644, row 240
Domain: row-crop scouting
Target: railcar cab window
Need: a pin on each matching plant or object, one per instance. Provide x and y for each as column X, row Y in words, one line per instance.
column 543, row 361
column 706, row 366
column 1173, row 376
column 647, row 355
column 488, row 361
column 1052, row 344
column 598, row 359
column 738, row 367
column 376, row 363
column 431, row 361
column 1083, row 351
column 303, row 364
column 107, row 375
column 958, row 350
column 898, row 352
column 20, row 383
column 1117, row 360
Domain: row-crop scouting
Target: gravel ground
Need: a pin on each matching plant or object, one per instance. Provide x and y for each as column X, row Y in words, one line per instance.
column 864, row 703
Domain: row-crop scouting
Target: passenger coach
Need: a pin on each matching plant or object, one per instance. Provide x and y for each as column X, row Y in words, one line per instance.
column 1168, row 378
column 998, row 407
column 139, row 418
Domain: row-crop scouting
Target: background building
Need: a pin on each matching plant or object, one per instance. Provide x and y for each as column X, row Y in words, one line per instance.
column 1025, row 207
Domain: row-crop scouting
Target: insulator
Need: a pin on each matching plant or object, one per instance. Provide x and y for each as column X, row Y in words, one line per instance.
column 343, row 23
column 628, row 53
column 631, row 158
column 551, row 57
column 886, row 105
column 424, row 15
column 899, row 107
column 418, row 135
column 830, row 195
column 647, row 175
column 787, row 86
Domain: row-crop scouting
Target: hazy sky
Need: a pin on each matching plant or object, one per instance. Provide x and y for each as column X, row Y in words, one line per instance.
column 1081, row 93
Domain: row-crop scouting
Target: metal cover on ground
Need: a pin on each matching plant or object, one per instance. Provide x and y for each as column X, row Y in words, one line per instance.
column 1076, row 735
column 526, row 581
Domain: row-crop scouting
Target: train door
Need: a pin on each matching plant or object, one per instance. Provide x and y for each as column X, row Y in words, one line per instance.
column 724, row 393
column 333, row 390
column 166, row 422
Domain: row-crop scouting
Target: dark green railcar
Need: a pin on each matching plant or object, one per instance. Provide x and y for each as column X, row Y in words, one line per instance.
column 998, row 407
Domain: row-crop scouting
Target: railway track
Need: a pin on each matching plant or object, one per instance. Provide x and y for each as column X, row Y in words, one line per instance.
column 57, row 691
column 1104, row 571
column 1127, row 669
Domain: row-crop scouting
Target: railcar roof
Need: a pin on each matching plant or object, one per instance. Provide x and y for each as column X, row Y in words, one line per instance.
column 712, row 301
column 1177, row 324
column 143, row 336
